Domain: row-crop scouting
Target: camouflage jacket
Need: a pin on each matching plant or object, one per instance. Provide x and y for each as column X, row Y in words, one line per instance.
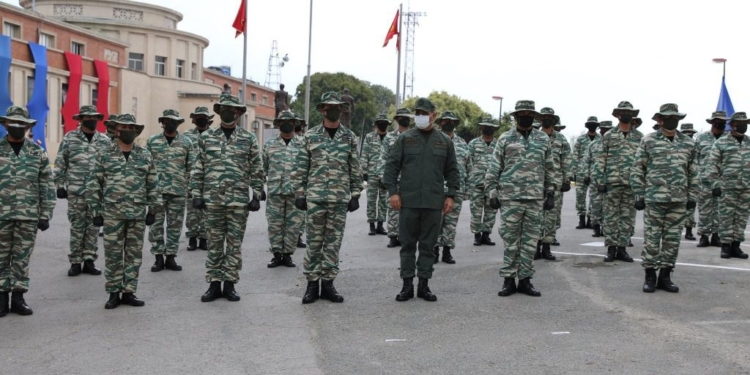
column 328, row 169
column 26, row 188
column 521, row 167
column 462, row 157
column 123, row 189
column 703, row 143
column 74, row 160
column 226, row 170
column 372, row 151
column 580, row 151
column 665, row 171
column 728, row 165
column 385, row 149
column 589, row 166
column 560, row 158
column 480, row 155
column 618, row 155
column 279, row 162
column 173, row 162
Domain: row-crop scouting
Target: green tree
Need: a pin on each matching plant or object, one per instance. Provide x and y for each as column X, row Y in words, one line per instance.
column 384, row 98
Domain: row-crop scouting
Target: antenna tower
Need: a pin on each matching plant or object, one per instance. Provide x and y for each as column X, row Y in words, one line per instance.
column 275, row 63
column 411, row 22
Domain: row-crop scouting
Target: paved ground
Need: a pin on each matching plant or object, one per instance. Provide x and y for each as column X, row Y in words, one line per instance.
column 592, row 317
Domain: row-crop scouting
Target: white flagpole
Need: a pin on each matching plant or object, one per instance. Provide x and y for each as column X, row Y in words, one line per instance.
column 398, row 68
column 244, row 65
column 307, row 79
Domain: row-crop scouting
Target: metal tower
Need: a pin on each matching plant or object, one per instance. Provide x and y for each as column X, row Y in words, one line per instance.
column 275, row 63
column 411, row 22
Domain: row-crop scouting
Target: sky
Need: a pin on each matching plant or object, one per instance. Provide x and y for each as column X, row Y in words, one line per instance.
column 579, row 57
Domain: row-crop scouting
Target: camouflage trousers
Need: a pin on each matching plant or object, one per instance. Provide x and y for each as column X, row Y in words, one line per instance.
column 708, row 211
column 619, row 215
column 17, row 239
column 196, row 220
column 376, row 200
column 226, row 230
column 662, row 224
column 123, row 254
column 391, row 225
column 418, row 229
column 690, row 218
column 581, row 191
column 550, row 220
column 170, row 220
column 482, row 215
column 448, row 230
column 596, row 208
column 83, row 234
column 325, row 230
column 734, row 209
column 284, row 222
column 520, row 230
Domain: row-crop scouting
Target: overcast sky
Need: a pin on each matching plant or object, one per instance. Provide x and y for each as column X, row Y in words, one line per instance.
column 579, row 57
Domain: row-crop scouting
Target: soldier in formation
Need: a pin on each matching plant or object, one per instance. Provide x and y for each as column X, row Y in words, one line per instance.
column 687, row 129
column 195, row 222
column 480, row 152
column 581, row 170
column 708, row 204
column 299, row 131
column 403, row 118
column 371, row 157
column 594, row 177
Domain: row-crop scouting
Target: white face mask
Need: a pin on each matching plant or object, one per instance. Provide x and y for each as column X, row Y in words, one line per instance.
column 422, row 121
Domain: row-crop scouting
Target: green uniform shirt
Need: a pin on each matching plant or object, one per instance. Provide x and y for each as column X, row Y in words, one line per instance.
column 618, row 155
column 75, row 158
column 279, row 162
column 728, row 165
column 173, row 162
column 372, row 151
column 665, row 171
column 703, row 143
column 580, row 151
column 560, row 158
column 521, row 168
column 479, row 159
column 26, row 188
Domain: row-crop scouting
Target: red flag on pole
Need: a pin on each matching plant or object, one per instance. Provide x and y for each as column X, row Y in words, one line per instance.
column 393, row 30
column 240, row 22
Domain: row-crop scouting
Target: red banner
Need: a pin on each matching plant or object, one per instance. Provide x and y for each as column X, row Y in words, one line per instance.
column 102, row 97
column 72, row 100
column 240, row 22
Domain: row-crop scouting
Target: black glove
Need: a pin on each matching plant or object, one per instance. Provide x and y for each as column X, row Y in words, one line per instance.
column 716, row 192
column 587, row 180
column 98, row 221
column 495, row 203
column 549, row 203
column 301, row 203
column 565, row 187
column 602, row 188
column 150, row 218
column 353, row 204
column 199, row 203
column 640, row 204
column 62, row 193
column 382, row 185
column 364, row 176
column 254, row 204
column 690, row 204
column 42, row 224
column 262, row 195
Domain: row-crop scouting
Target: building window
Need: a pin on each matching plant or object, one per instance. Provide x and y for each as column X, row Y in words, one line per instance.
column 161, row 66
column 94, row 97
column 180, row 68
column 47, row 40
column 240, row 95
column 77, row 48
column 194, row 71
column 29, row 88
column 253, row 97
column 12, row 30
column 265, row 100
column 135, row 61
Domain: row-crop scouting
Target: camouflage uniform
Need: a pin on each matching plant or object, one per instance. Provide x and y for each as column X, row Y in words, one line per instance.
column 450, row 221
column 708, row 205
column 392, row 215
column 688, row 130
column 560, row 149
column 580, row 168
column 377, row 196
column 591, row 170
column 482, row 215
column 196, row 218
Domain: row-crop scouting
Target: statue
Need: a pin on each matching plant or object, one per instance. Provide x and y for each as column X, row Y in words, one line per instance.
column 348, row 113
column 281, row 100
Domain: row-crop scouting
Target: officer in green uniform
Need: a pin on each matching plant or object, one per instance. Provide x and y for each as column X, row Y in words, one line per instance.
column 425, row 158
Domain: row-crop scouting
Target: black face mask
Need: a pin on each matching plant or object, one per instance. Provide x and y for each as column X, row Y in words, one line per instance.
column 201, row 122
column 298, row 128
column 404, row 121
column 740, row 128
column 592, row 127
column 719, row 125
column 670, row 124
column 89, row 124
column 16, row 132
column 286, row 127
column 170, row 127
column 333, row 114
column 448, row 127
column 626, row 118
column 382, row 126
column 525, row 121
column 486, row 130
column 548, row 123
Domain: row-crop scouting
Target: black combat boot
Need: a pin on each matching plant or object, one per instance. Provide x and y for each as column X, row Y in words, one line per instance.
column 665, row 281
column 538, row 253
column 159, row 264
column 509, row 287
column 630, row 242
column 436, row 252
column 287, row 261
column 90, row 268
column 555, row 242
column 597, row 231
column 486, row 239
column 4, row 304
column 213, row 292
column 113, row 302
column 477, row 239
column 75, row 269
column 447, row 257
column 611, row 254
column 380, row 230
column 300, row 244
column 203, row 244
column 547, row 253
column 581, row 222
column 715, row 240
column 372, row 229
column 623, row 255
column 703, row 241
column 423, row 291
column 726, row 251
column 525, row 287
column 394, row 242
column 276, row 260
column 171, row 264
column 328, row 291
column 588, row 222
column 649, row 286
column 18, row 304
column 229, row 293
column 736, row 252
column 312, row 293
column 192, row 244
column 407, row 291
column 689, row 234
column 131, row 299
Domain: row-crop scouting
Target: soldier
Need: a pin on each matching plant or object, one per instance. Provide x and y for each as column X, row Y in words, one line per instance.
column 636, row 122
column 174, row 157
column 571, row 176
column 448, row 122
column 110, row 125
column 480, row 152
column 75, row 157
column 284, row 219
column 299, row 131
column 664, row 179
column 593, row 177
column 371, row 158
column 726, row 169
column 121, row 192
column 196, row 218
column 226, row 182
column 520, row 182
column 615, row 162
column 560, row 149
column 688, row 130
column 426, row 161
column 348, row 111
column 328, row 184
column 708, row 221
column 581, row 169
column 403, row 119
column 28, row 202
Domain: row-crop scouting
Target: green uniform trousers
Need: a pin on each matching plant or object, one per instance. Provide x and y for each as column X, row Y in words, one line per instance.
column 708, row 211
column 520, row 230
column 581, row 191
column 17, row 239
column 325, row 230
column 662, row 227
column 170, row 220
column 195, row 222
column 83, row 233
column 123, row 254
column 376, row 200
column 418, row 228
column 734, row 208
column 482, row 215
column 550, row 220
column 448, row 231
column 284, row 222
column 619, row 215
column 226, row 230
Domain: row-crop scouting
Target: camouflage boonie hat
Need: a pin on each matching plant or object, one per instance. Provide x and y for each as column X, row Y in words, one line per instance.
column 560, row 128
column 331, row 97
column 718, row 115
column 687, row 128
column 285, row 116
column 424, row 104
column 547, row 111
column 636, row 122
column 525, row 105
column 487, row 121
column 88, row 110
column 128, row 119
column 201, row 111
column 736, row 117
column 300, row 119
column 403, row 112
column 172, row 115
column 605, row 124
column 625, row 106
column 110, row 124
column 668, row 110
column 592, row 120
column 448, row 115
column 16, row 113
column 226, row 100
column 382, row 118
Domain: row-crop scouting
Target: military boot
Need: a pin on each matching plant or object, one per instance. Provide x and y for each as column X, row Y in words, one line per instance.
column 229, row 293
column 588, row 222
column 75, row 269
column 538, row 253
column 394, row 242
column 276, row 260
column 726, row 251
column 300, row 244
column 715, row 240
column 665, row 281
column 203, row 244
column 486, row 239
column 736, row 252
column 372, row 229
column 90, row 268
column 423, row 291
column 581, row 222
column 213, row 292
column 689, row 234
column 703, row 241
column 623, row 255
column 131, row 299
column 287, row 261
column 192, row 244
column 328, row 291
column 4, row 301
column 436, row 252
column 649, row 285
column 113, row 302
column 380, row 230
column 407, row 291
column 597, row 231
column 525, row 287
column 547, row 253
column 158, row 264
column 447, row 257
column 611, row 254
column 630, row 242
column 171, row 264
column 477, row 239
column 509, row 287
column 18, row 304
column 312, row 293
column 555, row 242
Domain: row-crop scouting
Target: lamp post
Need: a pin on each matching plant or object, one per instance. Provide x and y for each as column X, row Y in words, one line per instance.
column 500, row 118
column 723, row 62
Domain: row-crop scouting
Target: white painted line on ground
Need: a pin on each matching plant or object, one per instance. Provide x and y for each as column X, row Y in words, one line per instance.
column 678, row 263
column 715, row 322
column 593, row 244
column 395, row 340
column 560, row 333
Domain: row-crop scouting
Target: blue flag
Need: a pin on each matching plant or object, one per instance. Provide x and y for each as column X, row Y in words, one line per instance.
column 725, row 102
column 5, row 57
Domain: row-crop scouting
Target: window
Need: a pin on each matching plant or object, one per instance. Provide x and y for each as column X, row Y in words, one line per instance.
column 265, row 100
column 180, row 68
column 47, row 40
column 94, row 97
column 29, row 88
column 161, row 66
column 253, row 97
column 240, row 94
column 194, row 71
column 135, row 61
column 12, row 30
column 77, row 48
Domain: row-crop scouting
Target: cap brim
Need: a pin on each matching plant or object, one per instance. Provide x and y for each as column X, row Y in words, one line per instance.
column 489, row 124
column 98, row 115
column 668, row 114
column 320, row 105
column 192, row 115
column 403, row 115
column 180, row 119
column 710, row 120
column 242, row 108
column 19, row 119
column 616, row 112
column 526, row 110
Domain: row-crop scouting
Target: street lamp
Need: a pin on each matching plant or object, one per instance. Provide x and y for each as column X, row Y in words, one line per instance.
column 723, row 62
column 500, row 98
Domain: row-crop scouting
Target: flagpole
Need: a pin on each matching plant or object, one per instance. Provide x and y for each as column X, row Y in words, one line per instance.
column 244, row 66
column 307, row 79
column 398, row 67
